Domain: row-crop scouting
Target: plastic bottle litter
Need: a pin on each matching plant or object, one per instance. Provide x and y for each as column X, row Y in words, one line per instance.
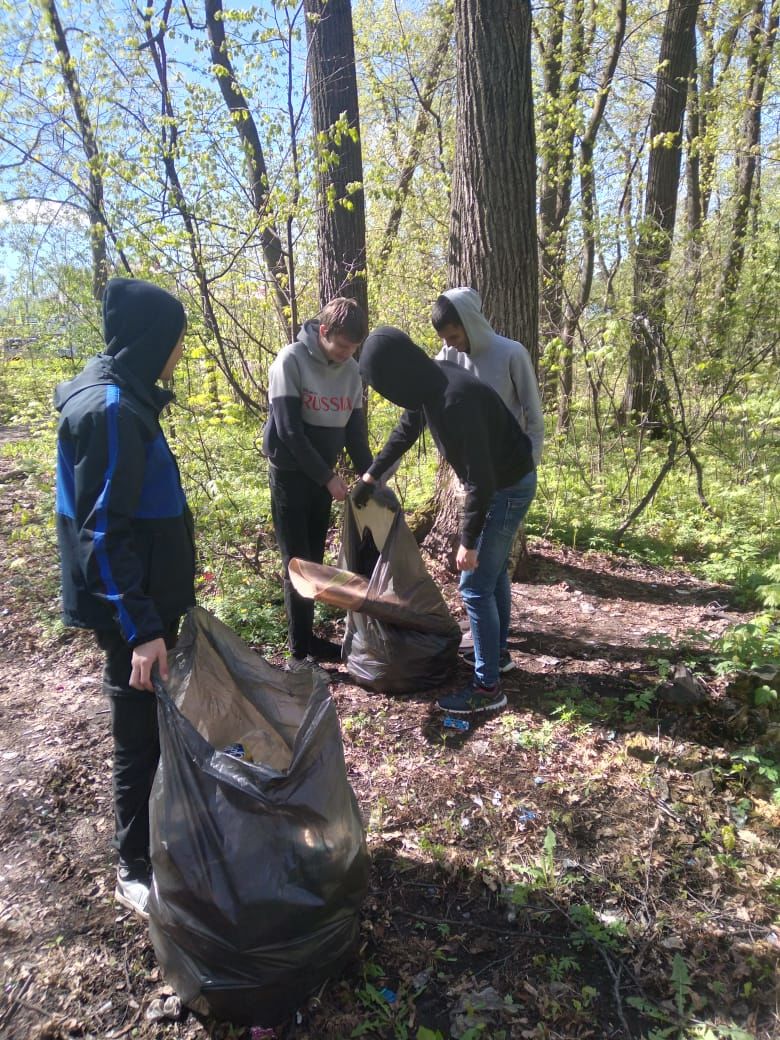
column 461, row 725
column 388, row 995
column 235, row 750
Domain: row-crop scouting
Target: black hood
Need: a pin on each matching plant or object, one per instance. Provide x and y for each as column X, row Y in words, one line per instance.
column 141, row 326
column 400, row 370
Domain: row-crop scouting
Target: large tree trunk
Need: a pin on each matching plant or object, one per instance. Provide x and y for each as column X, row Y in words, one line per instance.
column 493, row 245
column 341, row 214
column 654, row 248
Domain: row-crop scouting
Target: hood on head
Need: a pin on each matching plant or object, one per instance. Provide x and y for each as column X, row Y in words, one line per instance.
column 141, row 326
column 468, row 303
column 400, row 370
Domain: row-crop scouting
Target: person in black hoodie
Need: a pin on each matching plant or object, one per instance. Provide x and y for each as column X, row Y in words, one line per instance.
column 483, row 442
column 126, row 540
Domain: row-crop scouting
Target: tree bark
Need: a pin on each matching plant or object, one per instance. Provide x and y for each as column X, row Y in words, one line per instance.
column 561, row 94
column 97, row 223
column 341, row 215
column 279, row 266
column 421, row 124
column 493, row 245
column 155, row 42
column 763, row 30
column 694, row 210
column 654, row 248
column 576, row 305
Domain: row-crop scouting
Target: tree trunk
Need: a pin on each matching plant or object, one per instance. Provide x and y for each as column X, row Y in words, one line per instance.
column 575, row 305
column 693, row 194
column 420, row 129
column 654, row 247
column 341, row 216
column 155, row 42
column 763, row 31
column 561, row 93
column 97, row 224
column 279, row 266
column 493, row 243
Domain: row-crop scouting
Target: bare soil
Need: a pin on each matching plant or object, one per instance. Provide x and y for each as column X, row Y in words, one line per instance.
column 588, row 863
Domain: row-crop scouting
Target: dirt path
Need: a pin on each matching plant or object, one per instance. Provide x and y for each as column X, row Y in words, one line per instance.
column 657, row 896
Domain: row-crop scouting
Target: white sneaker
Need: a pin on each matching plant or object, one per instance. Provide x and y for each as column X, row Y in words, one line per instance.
column 306, row 664
column 132, row 888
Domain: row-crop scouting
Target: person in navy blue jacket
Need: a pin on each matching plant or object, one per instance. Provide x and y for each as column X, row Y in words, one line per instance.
column 126, row 539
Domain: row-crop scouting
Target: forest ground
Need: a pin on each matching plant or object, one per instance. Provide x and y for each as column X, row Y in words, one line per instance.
column 595, row 861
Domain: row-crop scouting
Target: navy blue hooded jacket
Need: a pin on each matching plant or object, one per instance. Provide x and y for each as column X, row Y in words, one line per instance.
column 124, row 529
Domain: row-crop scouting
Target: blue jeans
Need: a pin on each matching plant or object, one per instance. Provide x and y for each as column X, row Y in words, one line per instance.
column 487, row 590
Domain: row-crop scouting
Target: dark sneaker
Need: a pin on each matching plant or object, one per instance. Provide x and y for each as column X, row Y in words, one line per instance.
column 473, row 699
column 306, row 664
column 324, row 650
column 505, row 662
column 133, row 881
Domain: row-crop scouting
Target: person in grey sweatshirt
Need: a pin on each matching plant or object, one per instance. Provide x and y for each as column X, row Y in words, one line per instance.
column 315, row 411
column 504, row 364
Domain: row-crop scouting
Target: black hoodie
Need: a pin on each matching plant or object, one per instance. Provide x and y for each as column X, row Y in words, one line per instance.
column 123, row 525
column 470, row 424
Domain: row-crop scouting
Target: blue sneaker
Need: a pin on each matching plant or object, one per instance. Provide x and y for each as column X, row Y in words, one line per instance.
column 473, row 699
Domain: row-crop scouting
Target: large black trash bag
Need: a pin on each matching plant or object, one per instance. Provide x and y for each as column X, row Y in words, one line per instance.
column 259, row 867
column 419, row 651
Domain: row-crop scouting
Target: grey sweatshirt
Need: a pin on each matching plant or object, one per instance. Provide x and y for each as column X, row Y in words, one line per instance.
column 315, row 410
column 504, row 364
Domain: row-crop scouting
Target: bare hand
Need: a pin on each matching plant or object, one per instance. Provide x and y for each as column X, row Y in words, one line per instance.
column 467, row 559
column 145, row 657
column 337, row 488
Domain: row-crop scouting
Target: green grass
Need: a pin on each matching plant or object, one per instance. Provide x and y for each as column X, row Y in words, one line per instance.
column 580, row 503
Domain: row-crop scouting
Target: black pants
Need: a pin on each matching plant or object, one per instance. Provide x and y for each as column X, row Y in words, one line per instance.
column 301, row 514
column 136, row 744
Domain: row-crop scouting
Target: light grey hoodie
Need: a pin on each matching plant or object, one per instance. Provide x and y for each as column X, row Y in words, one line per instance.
column 504, row 364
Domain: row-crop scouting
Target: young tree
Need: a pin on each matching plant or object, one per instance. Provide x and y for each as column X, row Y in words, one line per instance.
column 341, row 214
column 422, row 122
column 97, row 227
column 562, row 68
column 578, row 299
column 762, row 33
column 654, row 247
column 280, row 267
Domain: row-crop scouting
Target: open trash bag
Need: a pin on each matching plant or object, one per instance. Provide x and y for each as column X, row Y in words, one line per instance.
column 259, row 866
column 400, row 637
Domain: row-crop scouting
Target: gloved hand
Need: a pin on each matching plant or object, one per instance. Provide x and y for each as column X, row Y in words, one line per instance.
column 361, row 493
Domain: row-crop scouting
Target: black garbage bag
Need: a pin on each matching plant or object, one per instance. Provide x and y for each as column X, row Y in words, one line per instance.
column 259, row 862
column 403, row 638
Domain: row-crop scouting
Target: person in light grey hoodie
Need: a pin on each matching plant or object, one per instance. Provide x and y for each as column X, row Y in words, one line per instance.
column 504, row 364
column 315, row 411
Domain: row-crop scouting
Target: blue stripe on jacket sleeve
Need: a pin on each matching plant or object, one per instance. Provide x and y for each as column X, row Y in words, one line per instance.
column 101, row 526
column 66, row 492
